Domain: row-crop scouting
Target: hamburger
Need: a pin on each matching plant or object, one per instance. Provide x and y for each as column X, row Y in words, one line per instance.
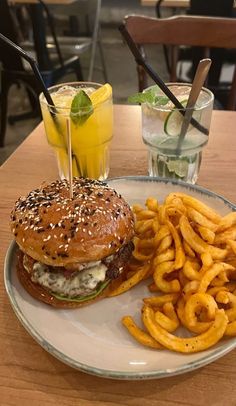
column 71, row 249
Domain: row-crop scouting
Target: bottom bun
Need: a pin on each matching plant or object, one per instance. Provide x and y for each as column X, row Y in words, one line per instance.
column 41, row 294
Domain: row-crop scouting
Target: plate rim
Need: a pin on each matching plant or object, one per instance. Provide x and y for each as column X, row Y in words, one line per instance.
column 186, row 185
column 105, row 373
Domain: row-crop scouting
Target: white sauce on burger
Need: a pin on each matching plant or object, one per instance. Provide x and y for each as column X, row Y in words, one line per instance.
column 78, row 284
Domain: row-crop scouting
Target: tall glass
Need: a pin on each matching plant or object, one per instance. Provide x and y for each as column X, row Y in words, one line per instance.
column 161, row 129
column 90, row 136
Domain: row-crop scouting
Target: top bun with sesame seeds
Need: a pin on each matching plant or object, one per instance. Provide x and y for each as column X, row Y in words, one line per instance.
column 52, row 228
column 60, row 235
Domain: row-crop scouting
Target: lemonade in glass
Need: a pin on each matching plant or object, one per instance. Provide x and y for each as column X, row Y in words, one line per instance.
column 88, row 108
column 161, row 130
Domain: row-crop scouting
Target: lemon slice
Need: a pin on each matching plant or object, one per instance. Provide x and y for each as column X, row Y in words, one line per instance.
column 101, row 94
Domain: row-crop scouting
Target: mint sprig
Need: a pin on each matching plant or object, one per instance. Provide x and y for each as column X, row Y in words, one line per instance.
column 149, row 96
column 81, row 108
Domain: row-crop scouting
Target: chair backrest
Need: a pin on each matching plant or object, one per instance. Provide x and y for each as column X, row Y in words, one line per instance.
column 206, row 32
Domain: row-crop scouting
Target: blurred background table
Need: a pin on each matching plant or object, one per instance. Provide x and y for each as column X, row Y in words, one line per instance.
column 45, row 1
column 31, row 376
column 167, row 3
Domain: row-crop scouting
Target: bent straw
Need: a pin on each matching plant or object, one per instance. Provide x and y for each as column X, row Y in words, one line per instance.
column 35, row 69
column 140, row 61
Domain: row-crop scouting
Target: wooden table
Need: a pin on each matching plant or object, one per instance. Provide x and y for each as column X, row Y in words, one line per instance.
column 28, row 374
column 59, row 2
column 167, row 3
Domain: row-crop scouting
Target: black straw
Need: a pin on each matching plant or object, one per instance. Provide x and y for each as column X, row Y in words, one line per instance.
column 33, row 65
column 141, row 61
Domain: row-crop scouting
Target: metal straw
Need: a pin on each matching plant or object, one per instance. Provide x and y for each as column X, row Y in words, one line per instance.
column 141, row 61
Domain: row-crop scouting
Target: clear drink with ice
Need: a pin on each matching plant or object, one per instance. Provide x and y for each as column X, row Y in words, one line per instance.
column 161, row 128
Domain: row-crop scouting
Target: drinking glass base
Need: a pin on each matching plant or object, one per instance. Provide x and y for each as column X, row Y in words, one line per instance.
column 185, row 168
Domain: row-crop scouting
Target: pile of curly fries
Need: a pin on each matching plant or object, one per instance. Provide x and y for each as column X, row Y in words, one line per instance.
column 189, row 251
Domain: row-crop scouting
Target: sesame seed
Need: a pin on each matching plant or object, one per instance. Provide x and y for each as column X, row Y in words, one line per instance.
column 47, row 238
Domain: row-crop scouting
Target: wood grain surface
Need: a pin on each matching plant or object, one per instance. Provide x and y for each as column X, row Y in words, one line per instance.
column 167, row 3
column 31, row 376
column 60, row 2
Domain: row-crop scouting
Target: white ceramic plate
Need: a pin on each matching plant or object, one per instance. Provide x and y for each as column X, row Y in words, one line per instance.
column 92, row 339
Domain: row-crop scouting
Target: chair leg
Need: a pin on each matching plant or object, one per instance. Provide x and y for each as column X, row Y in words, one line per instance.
column 165, row 48
column 142, row 78
column 74, row 26
column 231, row 103
column 95, row 39
column 104, row 68
column 78, row 71
column 32, row 100
column 92, row 61
column 3, row 109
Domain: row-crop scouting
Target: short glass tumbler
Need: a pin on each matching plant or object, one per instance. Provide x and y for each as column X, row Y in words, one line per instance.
column 91, row 133
column 161, row 130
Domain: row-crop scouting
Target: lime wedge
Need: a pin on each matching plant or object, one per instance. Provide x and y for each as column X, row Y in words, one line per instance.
column 173, row 121
column 179, row 167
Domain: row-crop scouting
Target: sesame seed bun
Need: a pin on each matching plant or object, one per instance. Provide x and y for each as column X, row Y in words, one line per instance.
column 56, row 230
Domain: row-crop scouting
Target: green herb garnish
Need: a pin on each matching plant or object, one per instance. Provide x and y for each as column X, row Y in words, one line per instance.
column 149, row 96
column 81, row 108
column 162, row 100
column 78, row 299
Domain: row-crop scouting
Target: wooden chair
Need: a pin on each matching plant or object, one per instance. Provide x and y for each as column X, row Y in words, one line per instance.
column 206, row 32
column 210, row 8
